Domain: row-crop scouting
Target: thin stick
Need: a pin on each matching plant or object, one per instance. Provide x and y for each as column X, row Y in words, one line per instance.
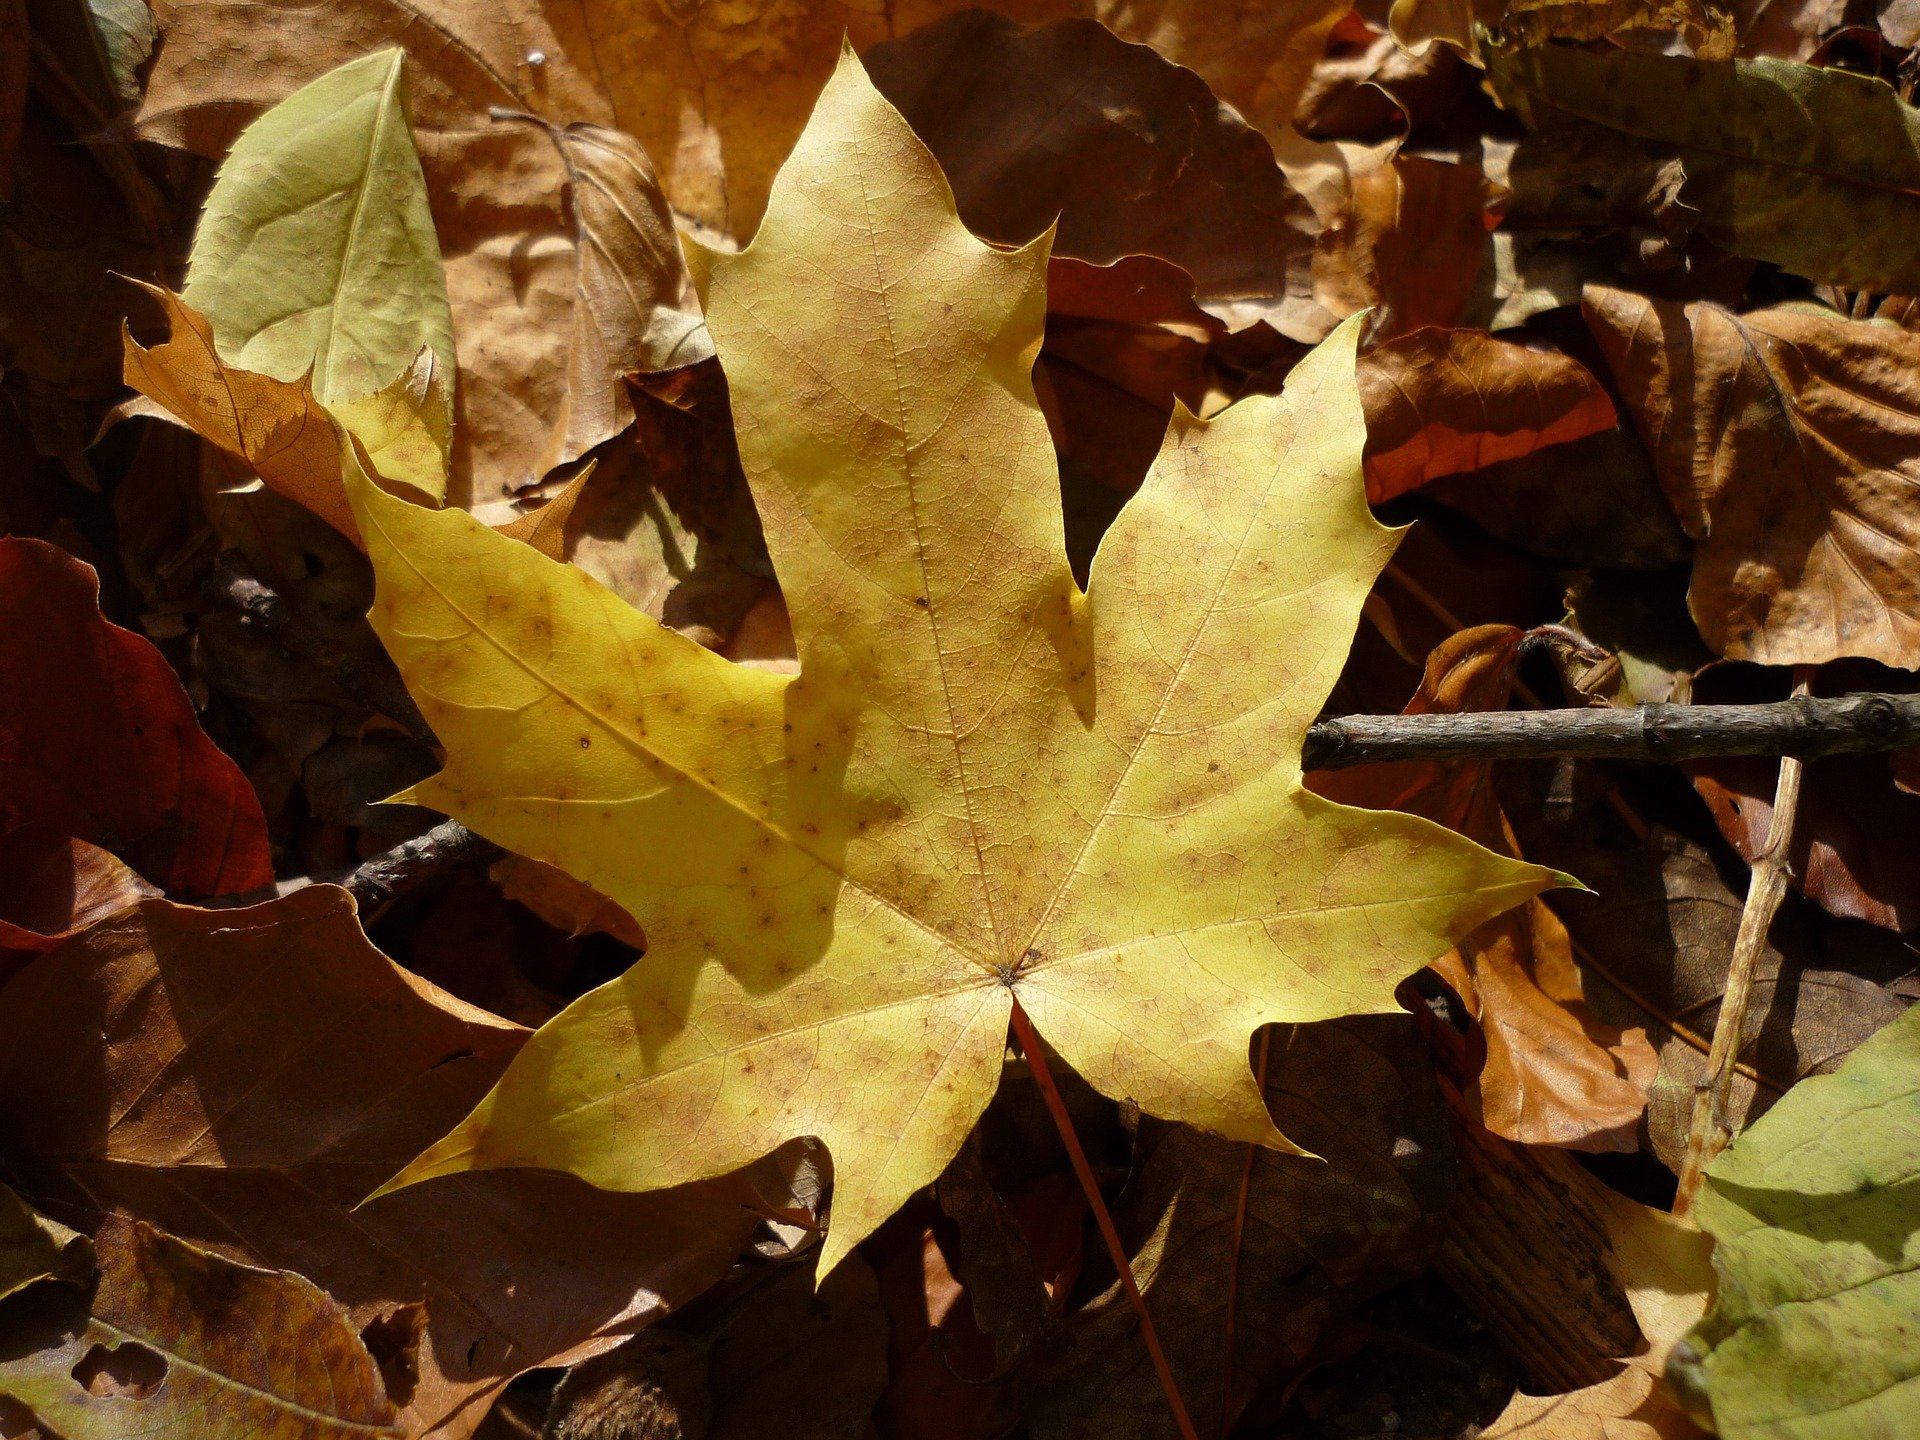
column 1057, row 1107
column 1239, row 1236
column 1803, row 727
column 1710, row 1130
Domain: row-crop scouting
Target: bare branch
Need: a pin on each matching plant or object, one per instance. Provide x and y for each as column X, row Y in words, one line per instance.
column 1804, row 727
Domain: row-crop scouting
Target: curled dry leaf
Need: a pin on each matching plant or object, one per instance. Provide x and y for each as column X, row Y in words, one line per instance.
column 856, row 872
column 1440, row 402
column 98, row 740
column 1554, row 1073
column 245, row 1077
column 279, row 428
column 180, row 1341
column 1817, row 170
column 1788, row 442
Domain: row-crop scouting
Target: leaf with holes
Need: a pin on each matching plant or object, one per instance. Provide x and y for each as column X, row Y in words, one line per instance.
column 985, row 787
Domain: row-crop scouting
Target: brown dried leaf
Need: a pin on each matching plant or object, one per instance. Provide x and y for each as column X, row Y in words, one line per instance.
column 1554, row 1073
column 564, row 902
column 1440, row 402
column 34, row 1248
column 1320, row 1234
column 181, row 1341
column 1788, row 442
column 1125, row 150
column 1653, row 942
column 275, row 426
column 244, row 1077
column 545, row 529
column 52, row 886
column 1631, row 1406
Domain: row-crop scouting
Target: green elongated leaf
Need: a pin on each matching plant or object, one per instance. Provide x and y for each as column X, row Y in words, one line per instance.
column 317, row 251
column 1816, row 1211
column 1815, row 170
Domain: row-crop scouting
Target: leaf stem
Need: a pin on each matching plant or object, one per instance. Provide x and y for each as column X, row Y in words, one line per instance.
column 1710, row 1130
column 1057, row 1107
column 1240, row 1235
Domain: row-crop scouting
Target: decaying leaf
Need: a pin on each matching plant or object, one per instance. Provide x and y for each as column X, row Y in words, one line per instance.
column 855, row 873
column 563, row 902
column 1554, row 1073
column 1439, row 402
column 245, row 1077
column 316, row 256
column 1818, row 1256
column 180, row 1341
column 1786, row 442
column 1817, row 170
column 1631, row 1406
column 98, row 741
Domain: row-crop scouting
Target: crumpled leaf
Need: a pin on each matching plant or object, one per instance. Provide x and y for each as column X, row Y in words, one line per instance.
column 280, row 429
column 1785, row 440
column 1817, row 170
column 857, row 872
column 98, row 740
column 1818, row 1257
column 1554, row 1073
column 34, row 1248
column 1440, row 402
column 245, row 1077
column 1125, row 152
column 1696, row 27
column 316, row 256
column 181, row 1341
column 52, row 886
column 1321, row 1234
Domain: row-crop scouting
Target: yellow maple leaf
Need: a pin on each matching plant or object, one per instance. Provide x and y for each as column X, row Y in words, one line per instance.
column 983, row 787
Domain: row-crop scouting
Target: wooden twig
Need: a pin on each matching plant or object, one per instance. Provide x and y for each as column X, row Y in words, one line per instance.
column 1063, row 1122
column 1708, row 1134
column 1803, row 727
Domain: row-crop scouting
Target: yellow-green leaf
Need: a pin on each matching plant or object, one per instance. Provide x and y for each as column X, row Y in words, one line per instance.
column 1815, row 170
column 1816, row 1214
column 983, row 787
column 316, row 254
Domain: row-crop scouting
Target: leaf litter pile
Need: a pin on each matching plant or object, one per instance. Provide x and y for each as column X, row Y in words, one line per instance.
column 713, row 713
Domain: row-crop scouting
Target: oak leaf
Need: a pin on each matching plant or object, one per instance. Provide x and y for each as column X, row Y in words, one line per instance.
column 1785, row 441
column 984, row 787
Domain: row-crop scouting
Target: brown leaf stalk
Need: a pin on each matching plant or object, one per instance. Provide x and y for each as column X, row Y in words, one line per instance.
column 1057, row 1107
column 1709, row 1133
column 1239, row 1237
